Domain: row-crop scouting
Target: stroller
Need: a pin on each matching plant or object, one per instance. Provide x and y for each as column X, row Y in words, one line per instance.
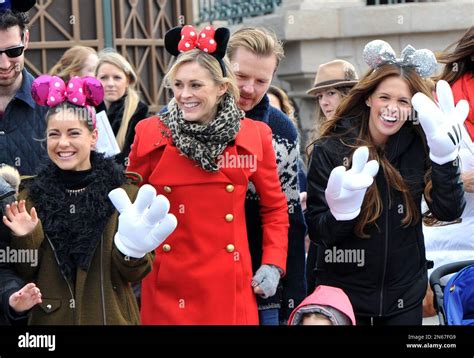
column 455, row 301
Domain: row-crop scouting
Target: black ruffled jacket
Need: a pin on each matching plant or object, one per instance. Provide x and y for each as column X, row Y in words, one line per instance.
column 392, row 277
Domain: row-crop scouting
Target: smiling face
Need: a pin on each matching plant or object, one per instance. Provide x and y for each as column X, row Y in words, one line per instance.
column 11, row 67
column 390, row 107
column 196, row 93
column 328, row 101
column 69, row 141
column 254, row 75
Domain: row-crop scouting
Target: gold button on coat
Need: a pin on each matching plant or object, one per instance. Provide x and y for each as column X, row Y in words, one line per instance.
column 229, row 188
column 229, row 218
column 230, row 248
column 166, row 248
column 167, row 189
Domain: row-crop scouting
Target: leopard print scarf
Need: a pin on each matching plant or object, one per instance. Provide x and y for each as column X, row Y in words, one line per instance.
column 204, row 143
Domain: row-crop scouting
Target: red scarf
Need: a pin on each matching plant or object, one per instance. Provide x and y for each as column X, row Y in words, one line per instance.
column 463, row 88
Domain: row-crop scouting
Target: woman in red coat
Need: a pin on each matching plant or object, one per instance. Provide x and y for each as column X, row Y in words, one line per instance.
column 201, row 154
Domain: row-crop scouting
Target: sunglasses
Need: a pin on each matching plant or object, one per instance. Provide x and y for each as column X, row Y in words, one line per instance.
column 13, row 51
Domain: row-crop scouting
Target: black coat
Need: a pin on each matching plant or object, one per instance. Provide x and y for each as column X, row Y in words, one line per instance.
column 10, row 282
column 393, row 276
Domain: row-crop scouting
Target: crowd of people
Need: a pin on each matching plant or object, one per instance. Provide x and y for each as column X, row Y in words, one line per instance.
column 202, row 217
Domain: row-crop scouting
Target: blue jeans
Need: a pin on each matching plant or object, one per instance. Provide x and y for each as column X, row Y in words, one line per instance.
column 269, row 317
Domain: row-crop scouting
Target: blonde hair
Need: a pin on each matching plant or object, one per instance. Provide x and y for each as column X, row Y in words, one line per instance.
column 257, row 40
column 132, row 100
column 72, row 62
column 211, row 64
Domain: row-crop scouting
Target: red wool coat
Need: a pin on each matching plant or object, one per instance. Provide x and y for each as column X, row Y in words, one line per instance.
column 202, row 272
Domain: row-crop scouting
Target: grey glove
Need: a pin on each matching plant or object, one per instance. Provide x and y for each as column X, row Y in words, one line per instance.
column 267, row 278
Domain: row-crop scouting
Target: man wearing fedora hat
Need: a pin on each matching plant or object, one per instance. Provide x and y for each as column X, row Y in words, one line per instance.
column 255, row 54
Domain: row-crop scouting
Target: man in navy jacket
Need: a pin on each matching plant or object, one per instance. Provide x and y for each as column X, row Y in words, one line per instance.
column 255, row 54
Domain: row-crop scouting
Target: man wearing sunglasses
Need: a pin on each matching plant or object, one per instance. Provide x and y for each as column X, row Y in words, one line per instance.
column 21, row 120
column 21, row 125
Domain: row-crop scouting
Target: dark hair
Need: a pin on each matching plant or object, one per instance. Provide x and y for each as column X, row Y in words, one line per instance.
column 319, row 116
column 354, row 105
column 459, row 61
column 82, row 113
column 286, row 104
column 9, row 18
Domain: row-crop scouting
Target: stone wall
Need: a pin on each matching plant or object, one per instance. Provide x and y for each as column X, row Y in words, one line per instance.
column 316, row 32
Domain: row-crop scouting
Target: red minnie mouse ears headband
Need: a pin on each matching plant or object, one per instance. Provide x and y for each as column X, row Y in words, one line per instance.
column 51, row 91
column 185, row 38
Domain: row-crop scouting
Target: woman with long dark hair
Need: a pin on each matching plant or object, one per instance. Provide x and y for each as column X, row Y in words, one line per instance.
column 366, row 220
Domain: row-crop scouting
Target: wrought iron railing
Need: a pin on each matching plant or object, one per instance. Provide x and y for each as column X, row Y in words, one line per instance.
column 234, row 11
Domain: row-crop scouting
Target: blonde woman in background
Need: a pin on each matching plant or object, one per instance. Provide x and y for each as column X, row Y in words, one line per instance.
column 121, row 100
column 77, row 61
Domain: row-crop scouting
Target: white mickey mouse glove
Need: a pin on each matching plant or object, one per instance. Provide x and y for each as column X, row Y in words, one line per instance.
column 441, row 124
column 346, row 189
column 143, row 225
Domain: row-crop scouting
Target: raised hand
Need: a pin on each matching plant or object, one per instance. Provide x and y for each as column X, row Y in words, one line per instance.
column 19, row 220
column 25, row 298
column 143, row 225
column 442, row 125
column 346, row 189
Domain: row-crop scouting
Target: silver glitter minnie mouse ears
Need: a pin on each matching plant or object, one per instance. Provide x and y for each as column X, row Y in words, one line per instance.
column 378, row 52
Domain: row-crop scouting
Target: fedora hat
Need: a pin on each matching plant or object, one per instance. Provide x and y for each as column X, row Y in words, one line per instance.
column 337, row 73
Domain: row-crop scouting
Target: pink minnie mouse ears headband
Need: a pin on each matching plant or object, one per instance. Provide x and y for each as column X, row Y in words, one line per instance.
column 85, row 92
column 378, row 52
column 214, row 42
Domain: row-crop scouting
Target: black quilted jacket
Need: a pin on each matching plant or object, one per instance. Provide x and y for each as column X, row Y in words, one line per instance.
column 21, row 130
